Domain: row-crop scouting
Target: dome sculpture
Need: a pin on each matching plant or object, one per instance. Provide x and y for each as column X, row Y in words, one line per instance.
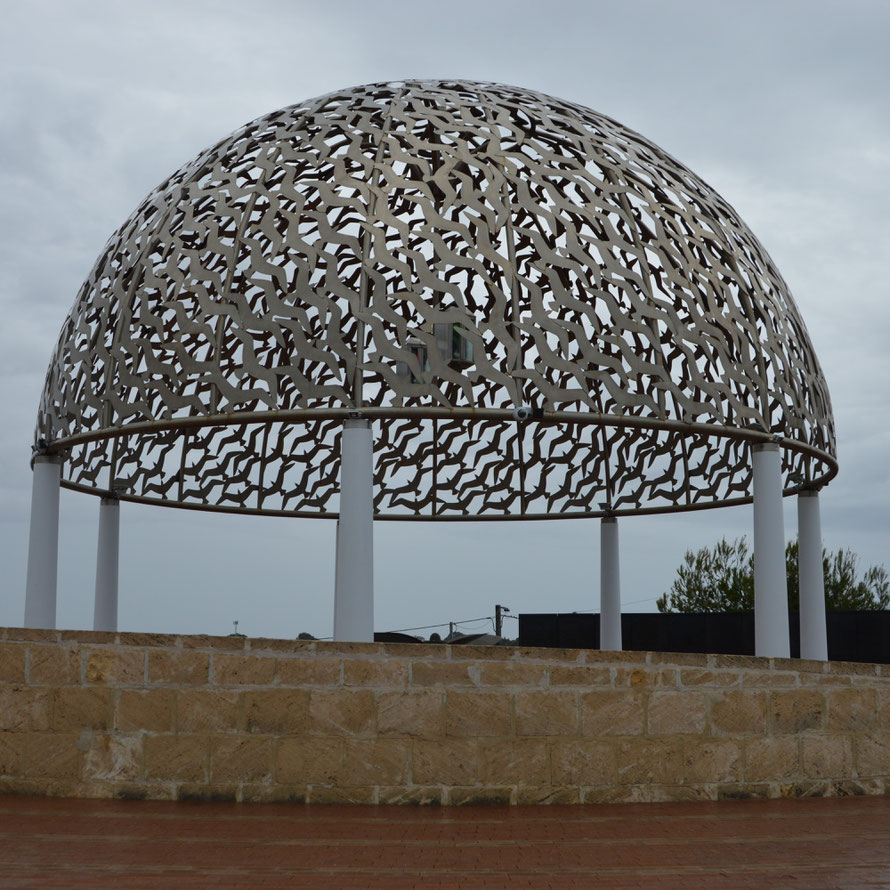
column 436, row 300
column 542, row 313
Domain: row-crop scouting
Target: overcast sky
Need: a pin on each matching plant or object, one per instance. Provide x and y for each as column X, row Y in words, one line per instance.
column 782, row 106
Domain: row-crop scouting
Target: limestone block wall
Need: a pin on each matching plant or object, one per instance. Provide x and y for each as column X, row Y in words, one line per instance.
column 149, row 716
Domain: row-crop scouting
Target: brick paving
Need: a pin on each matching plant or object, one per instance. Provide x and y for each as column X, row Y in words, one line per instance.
column 812, row 844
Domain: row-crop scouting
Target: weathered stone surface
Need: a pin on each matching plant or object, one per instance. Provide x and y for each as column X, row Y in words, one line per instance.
column 25, row 708
column 412, row 795
column 151, row 710
column 242, row 758
column 514, row 761
column 650, row 761
column 281, row 711
column 242, row 670
column 11, row 745
column 178, row 668
column 336, row 794
column 12, row 662
column 184, row 758
column 301, row 761
column 852, row 710
column 114, row 756
column 530, row 795
column 309, row 671
column 873, row 755
column 512, row 673
column 546, row 713
column 376, row 673
column 207, row 710
column 796, row 710
column 827, row 757
column 44, row 755
column 419, row 713
column 608, row 712
column 76, row 709
column 443, row 673
column 476, row 714
column 596, row 676
column 710, row 678
column 774, row 759
column 480, row 796
column 712, row 760
column 375, row 762
column 671, row 713
column 445, row 762
column 583, row 762
column 738, row 713
column 115, row 668
column 342, row 712
column 54, row 665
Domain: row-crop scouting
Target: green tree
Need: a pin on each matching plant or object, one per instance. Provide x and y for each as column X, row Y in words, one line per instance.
column 721, row 579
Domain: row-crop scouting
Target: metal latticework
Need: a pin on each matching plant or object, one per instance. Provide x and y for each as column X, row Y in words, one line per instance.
column 433, row 256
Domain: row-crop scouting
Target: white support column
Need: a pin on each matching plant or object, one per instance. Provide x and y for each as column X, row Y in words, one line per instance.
column 354, row 573
column 105, row 608
column 43, row 543
column 610, row 585
column 811, row 576
column 771, row 636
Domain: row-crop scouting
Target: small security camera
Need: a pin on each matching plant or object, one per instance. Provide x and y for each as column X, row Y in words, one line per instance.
column 523, row 412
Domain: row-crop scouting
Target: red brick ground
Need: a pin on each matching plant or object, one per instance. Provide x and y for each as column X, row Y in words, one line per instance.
column 808, row 844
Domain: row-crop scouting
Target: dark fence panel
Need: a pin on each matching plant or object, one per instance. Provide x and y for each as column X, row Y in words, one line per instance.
column 852, row 636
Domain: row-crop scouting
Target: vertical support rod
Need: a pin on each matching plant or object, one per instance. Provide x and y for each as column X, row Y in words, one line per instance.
column 813, row 633
column 610, row 585
column 354, row 572
column 771, row 636
column 43, row 543
column 105, row 608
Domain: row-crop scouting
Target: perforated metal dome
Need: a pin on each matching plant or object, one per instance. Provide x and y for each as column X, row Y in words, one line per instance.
column 433, row 256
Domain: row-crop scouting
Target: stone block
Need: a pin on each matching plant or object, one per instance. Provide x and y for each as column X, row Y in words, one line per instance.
column 445, row 762
column 334, row 794
column 11, row 745
column 797, row 710
column 852, row 710
column 612, row 712
column 229, row 643
column 207, row 793
column 481, row 796
column 336, row 648
column 281, row 711
column 179, row 758
column 738, row 712
column 677, row 659
column 12, row 662
column 309, row 671
column 25, row 708
column 475, row 714
column 342, row 712
column 55, row 665
column 207, row 710
column 583, row 762
column 707, row 677
column 274, row 793
column 597, row 676
column 75, row 709
column 149, row 710
column 301, row 761
column 650, row 761
column 243, row 670
column 712, row 761
column 419, row 713
column 114, row 757
column 673, row 713
column 774, row 759
column 873, row 755
column 109, row 667
column 239, row 758
column 413, row 795
column 546, row 713
column 531, row 795
column 375, row 762
column 514, row 761
column 512, row 673
column 32, row 634
column 827, row 757
column 147, row 639
column 49, row 755
column 376, row 673
column 444, row 673
column 178, row 667
column 769, row 679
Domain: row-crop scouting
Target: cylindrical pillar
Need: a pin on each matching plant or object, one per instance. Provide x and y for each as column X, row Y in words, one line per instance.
column 610, row 585
column 354, row 572
column 770, row 577
column 105, row 608
column 43, row 543
column 811, row 577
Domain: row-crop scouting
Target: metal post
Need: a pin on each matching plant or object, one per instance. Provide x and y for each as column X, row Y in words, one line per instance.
column 811, row 576
column 105, row 609
column 43, row 543
column 771, row 635
column 354, row 573
column 610, row 585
